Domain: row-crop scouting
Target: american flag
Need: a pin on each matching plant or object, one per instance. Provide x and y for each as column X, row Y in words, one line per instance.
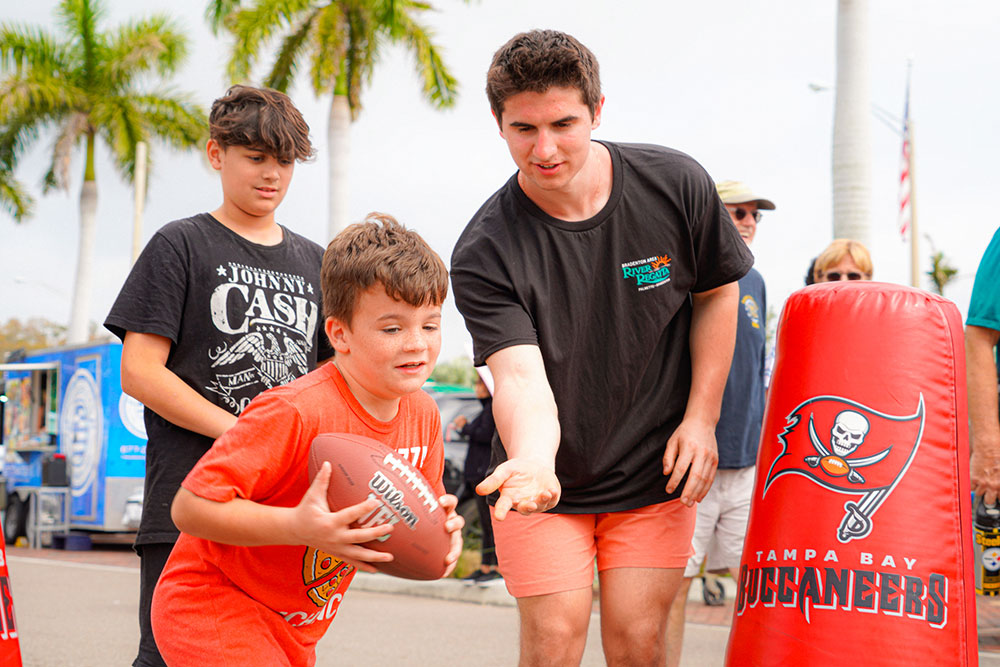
column 905, row 210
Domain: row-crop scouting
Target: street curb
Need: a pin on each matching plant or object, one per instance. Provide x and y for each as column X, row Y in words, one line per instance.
column 442, row 589
column 455, row 589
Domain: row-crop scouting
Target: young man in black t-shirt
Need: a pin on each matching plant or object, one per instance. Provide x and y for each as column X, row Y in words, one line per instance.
column 219, row 307
column 599, row 287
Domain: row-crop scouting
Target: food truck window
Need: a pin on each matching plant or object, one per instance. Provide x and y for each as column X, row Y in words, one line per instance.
column 31, row 409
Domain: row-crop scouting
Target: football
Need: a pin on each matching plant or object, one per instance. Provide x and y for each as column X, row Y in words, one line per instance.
column 363, row 468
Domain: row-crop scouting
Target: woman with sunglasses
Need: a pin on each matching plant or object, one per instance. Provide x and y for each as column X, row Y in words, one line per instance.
column 844, row 259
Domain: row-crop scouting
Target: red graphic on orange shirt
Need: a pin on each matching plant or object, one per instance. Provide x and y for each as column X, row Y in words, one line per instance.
column 323, row 573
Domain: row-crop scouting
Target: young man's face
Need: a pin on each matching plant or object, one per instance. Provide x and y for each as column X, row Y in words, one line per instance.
column 390, row 348
column 548, row 135
column 253, row 181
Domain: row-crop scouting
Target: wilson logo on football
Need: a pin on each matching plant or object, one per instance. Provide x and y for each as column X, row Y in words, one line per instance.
column 848, row 448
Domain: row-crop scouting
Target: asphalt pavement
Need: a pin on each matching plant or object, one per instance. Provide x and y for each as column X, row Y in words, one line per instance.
column 78, row 609
column 75, row 612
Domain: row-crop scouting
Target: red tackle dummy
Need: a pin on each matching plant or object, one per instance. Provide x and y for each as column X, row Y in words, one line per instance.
column 859, row 544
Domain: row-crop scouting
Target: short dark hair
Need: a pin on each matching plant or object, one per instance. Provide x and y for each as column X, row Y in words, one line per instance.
column 262, row 119
column 538, row 60
column 379, row 250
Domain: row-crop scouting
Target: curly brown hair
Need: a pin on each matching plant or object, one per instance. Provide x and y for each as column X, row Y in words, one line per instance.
column 262, row 119
column 380, row 250
column 538, row 60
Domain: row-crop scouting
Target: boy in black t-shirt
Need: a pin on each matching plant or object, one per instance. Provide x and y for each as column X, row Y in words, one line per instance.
column 599, row 287
column 218, row 308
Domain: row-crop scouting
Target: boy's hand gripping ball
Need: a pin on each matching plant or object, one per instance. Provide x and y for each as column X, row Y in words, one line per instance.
column 364, row 468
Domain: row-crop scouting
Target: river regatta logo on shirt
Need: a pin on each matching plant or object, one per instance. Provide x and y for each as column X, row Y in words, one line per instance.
column 648, row 273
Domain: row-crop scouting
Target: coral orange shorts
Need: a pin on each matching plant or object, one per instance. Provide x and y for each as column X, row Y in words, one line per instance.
column 542, row 554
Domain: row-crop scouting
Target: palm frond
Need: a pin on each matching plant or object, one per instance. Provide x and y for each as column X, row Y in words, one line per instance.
column 18, row 135
column 120, row 124
column 362, row 53
column 80, row 18
column 14, row 198
column 27, row 47
column 393, row 16
column 173, row 118
column 73, row 127
column 292, row 48
column 439, row 86
column 39, row 91
column 254, row 27
column 156, row 44
column 329, row 48
column 219, row 14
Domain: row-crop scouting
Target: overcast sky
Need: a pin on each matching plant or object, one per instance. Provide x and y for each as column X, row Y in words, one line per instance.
column 725, row 81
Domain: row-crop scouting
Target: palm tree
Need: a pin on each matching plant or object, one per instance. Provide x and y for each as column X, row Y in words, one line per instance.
column 340, row 41
column 852, row 125
column 82, row 84
column 941, row 272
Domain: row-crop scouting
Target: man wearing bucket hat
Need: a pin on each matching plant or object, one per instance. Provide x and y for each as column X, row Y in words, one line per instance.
column 722, row 516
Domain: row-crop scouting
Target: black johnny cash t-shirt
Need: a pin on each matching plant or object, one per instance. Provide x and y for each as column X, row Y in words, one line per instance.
column 607, row 302
column 243, row 318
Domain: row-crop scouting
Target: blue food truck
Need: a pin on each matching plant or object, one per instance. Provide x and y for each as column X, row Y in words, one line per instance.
column 70, row 432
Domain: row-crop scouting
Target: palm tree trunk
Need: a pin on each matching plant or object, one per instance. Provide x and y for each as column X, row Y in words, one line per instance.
column 852, row 125
column 82, row 288
column 339, row 155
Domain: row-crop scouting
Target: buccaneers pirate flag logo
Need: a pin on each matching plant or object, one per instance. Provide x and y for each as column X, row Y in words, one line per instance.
column 848, row 448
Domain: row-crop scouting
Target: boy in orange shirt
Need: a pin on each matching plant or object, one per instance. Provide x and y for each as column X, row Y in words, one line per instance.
column 262, row 563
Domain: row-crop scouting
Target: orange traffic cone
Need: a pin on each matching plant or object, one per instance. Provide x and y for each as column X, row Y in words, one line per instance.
column 10, row 649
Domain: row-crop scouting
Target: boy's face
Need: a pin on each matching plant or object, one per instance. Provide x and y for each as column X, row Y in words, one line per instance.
column 253, row 181
column 548, row 135
column 390, row 348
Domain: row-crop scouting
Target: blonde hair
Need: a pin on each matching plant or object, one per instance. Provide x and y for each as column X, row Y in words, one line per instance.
column 837, row 251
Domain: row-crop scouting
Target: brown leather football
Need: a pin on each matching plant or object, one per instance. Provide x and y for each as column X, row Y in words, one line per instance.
column 363, row 468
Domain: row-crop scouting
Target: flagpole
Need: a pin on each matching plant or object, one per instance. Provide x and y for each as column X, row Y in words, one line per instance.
column 914, row 237
column 907, row 187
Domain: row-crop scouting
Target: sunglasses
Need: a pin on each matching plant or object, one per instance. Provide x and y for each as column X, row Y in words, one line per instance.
column 741, row 213
column 834, row 276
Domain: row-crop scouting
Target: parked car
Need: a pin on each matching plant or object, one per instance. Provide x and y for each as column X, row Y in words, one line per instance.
column 453, row 401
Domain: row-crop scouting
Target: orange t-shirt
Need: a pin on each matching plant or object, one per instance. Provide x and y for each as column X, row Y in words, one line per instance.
column 231, row 605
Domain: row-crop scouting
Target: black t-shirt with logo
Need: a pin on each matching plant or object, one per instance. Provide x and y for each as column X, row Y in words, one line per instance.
column 607, row 300
column 242, row 317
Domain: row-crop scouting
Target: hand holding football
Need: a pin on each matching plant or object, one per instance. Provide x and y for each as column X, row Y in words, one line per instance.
column 364, row 468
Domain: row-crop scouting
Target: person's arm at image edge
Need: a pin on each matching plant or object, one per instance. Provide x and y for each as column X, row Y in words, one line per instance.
column 527, row 420
column 692, row 447
column 981, row 375
column 146, row 378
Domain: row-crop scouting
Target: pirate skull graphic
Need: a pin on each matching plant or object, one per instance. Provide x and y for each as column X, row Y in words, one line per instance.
column 848, row 432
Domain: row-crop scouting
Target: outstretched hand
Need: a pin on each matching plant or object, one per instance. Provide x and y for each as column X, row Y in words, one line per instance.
column 691, row 449
column 525, row 486
column 316, row 525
